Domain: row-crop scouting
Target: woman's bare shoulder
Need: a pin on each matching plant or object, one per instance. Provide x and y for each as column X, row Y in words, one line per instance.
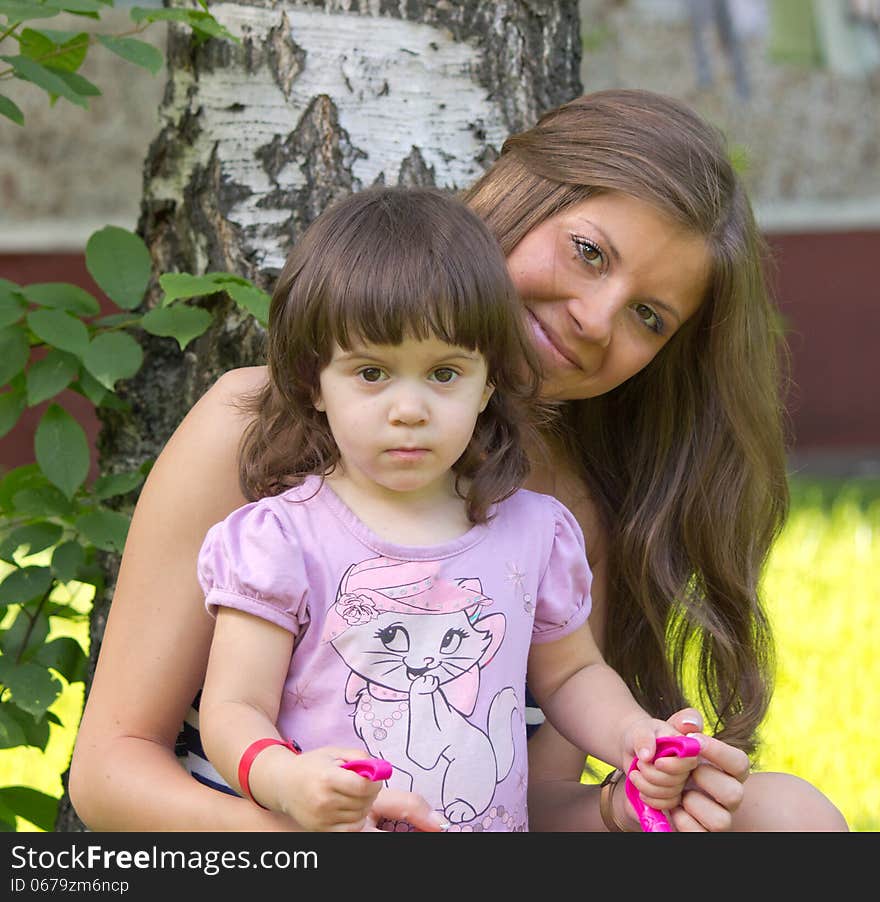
column 235, row 385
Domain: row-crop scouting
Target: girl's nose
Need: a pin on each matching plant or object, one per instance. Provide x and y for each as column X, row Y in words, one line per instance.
column 408, row 408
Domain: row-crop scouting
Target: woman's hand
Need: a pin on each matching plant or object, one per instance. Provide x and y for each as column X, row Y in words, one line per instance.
column 394, row 805
column 715, row 788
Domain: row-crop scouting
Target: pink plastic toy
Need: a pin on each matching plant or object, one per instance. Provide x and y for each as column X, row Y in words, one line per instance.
column 652, row 820
column 374, row 769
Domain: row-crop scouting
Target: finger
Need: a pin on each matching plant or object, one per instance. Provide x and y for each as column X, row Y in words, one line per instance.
column 730, row 760
column 684, row 822
column 644, row 742
column 397, row 805
column 688, row 720
column 722, row 788
column 706, row 811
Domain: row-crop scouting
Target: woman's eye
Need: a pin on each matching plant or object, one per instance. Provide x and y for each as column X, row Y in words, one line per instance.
column 589, row 252
column 445, row 375
column 649, row 318
column 371, row 374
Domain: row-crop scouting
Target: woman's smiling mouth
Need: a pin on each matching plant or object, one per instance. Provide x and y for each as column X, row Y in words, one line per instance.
column 546, row 339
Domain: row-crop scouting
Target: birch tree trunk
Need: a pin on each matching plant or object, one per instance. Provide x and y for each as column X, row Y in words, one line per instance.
column 321, row 98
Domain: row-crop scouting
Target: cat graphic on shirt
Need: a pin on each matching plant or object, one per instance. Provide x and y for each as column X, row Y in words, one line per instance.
column 415, row 644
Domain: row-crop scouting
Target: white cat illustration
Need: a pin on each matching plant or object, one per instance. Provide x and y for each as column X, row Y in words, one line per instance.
column 415, row 644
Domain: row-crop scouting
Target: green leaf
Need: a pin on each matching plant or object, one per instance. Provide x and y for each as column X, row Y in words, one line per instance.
column 62, row 296
column 25, row 583
column 252, row 299
column 21, row 11
column 12, row 307
column 62, row 450
column 105, row 528
column 79, row 84
column 45, row 78
column 178, row 285
column 34, row 537
column 27, row 634
column 114, row 484
column 35, row 732
column 181, row 323
column 112, row 320
column 66, row 561
column 66, row 656
column 202, row 23
column 113, row 356
column 27, row 477
column 119, row 262
column 11, row 733
column 52, row 374
column 68, row 50
column 60, row 330
column 42, row 501
column 76, row 6
column 11, row 111
column 89, row 386
column 12, row 404
column 34, row 806
column 138, row 52
column 33, row 688
column 14, row 352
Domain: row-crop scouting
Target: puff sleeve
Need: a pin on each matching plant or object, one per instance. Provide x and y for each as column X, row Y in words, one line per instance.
column 563, row 602
column 252, row 561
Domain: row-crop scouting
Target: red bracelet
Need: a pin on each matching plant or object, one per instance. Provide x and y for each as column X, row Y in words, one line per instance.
column 247, row 759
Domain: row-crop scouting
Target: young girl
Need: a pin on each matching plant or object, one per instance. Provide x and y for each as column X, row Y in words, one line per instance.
column 382, row 599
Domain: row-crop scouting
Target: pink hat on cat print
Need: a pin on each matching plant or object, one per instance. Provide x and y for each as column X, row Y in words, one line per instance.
column 381, row 584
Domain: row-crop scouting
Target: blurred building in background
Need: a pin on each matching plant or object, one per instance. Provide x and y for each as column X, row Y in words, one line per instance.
column 795, row 85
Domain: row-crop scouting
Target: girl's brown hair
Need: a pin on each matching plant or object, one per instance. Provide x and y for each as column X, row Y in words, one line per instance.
column 686, row 460
column 380, row 266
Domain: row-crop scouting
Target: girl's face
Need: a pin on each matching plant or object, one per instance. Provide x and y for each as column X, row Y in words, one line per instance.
column 606, row 283
column 403, row 414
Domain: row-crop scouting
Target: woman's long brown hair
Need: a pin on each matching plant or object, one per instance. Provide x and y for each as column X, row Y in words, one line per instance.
column 686, row 460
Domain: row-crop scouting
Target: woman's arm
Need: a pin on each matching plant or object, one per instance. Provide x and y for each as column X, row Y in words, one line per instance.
column 124, row 774
column 722, row 794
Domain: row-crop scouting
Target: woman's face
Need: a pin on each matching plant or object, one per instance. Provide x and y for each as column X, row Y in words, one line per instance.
column 606, row 283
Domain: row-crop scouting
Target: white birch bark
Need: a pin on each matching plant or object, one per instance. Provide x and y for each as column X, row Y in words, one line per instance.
column 322, row 98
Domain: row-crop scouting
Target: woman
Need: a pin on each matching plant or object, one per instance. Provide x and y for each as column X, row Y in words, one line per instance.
column 633, row 247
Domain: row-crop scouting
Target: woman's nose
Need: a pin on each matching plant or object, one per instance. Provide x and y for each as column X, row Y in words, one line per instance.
column 593, row 317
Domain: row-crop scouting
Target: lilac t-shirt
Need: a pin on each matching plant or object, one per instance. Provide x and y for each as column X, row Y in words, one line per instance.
column 417, row 653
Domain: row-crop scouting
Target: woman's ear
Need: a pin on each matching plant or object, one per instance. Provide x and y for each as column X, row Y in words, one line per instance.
column 318, row 402
column 488, row 391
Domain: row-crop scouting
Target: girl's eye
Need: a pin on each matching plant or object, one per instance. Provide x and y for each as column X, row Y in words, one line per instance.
column 371, row 374
column 651, row 319
column 589, row 252
column 444, row 375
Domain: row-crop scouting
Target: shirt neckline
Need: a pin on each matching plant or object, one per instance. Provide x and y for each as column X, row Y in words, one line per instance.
column 324, row 494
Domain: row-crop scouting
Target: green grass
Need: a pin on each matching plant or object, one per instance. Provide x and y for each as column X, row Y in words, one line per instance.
column 822, row 590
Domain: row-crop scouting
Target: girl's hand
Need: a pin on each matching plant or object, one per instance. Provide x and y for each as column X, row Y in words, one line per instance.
column 715, row 788
column 321, row 796
column 661, row 783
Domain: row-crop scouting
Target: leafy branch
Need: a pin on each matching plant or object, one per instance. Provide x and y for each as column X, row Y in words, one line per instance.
column 50, row 59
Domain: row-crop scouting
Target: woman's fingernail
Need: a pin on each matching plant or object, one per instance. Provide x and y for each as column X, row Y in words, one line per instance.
column 693, row 721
